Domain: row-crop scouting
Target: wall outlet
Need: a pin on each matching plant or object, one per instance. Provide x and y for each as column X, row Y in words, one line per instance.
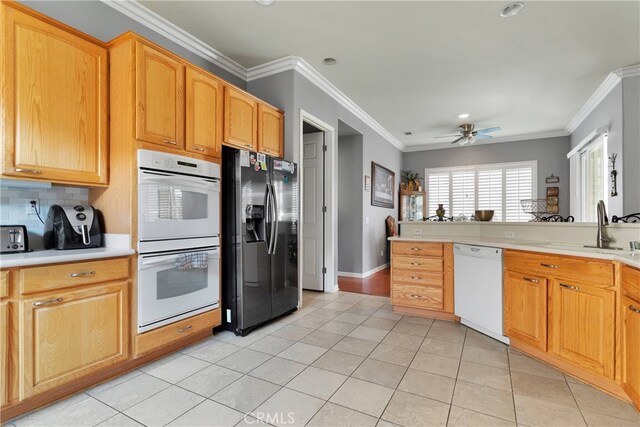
column 366, row 220
column 509, row 234
column 417, row 231
column 33, row 205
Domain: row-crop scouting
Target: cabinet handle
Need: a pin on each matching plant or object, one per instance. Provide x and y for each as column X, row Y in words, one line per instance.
column 529, row 279
column 575, row 288
column 31, row 171
column 168, row 141
column 416, row 296
column 47, row 302
column 415, row 249
column 415, row 263
column 415, row 277
column 248, row 145
column 549, row 265
column 635, row 310
column 184, row 329
column 83, row 274
column 198, row 148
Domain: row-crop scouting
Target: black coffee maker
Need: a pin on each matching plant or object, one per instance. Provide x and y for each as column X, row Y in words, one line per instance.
column 72, row 227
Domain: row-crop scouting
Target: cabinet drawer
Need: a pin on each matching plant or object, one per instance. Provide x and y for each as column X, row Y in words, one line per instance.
column 37, row 279
column 417, row 249
column 165, row 335
column 417, row 296
column 418, row 264
column 4, row 284
column 418, row 277
column 595, row 272
column 631, row 282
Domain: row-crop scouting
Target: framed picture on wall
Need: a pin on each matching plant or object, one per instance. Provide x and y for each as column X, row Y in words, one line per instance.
column 384, row 181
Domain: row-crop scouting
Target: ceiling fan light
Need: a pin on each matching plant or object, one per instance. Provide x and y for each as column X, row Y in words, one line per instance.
column 511, row 9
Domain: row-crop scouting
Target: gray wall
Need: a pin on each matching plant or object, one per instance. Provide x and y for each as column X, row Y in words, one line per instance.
column 105, row 23
column 631, row 144
column 349, row 207
column 551, row 154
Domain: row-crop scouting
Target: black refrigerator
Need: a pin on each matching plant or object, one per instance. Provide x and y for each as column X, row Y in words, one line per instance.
column 259, row 239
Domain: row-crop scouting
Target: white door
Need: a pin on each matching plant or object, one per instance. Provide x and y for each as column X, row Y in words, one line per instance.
column 313, row 217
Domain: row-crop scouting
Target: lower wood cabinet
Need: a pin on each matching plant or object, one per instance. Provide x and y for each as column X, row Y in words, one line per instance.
column 525, row 308
column 631, row 349
column 4, row 352
column 69, row 334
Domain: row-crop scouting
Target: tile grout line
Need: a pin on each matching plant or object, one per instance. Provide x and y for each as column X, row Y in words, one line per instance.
column 455, row 384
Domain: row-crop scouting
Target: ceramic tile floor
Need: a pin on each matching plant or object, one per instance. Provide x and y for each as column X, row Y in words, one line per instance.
column 343, row 360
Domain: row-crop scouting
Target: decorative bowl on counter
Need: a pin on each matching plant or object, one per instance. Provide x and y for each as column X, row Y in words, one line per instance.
column 484, row 215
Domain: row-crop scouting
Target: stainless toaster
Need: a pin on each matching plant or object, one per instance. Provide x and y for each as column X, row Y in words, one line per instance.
column 13, row 239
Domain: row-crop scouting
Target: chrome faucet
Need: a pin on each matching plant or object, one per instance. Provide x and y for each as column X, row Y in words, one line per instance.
column 603, row 240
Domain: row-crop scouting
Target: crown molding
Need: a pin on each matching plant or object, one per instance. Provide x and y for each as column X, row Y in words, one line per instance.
column 629, row 71
column 496, row 140
column 160, row 25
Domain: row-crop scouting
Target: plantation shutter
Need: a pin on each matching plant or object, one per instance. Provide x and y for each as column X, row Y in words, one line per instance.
column 463, row 193
column 438, row 191
column 490, row 194
column 518, row 186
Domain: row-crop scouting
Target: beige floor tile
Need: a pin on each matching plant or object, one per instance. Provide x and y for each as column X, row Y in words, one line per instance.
column 410, row 410
column 209, row 380
column 278, row 371
column 271, row 328
column 442, row 348
column 352, row 318
column 112, row 383
column 383, row 423
column 49, row 410
column 447, row 335
column 485, row 375
column 483, row 399
column 531, row 366
column 338, row 361
column 363, row 396
column 535, row 412
column 338, row 306
column 119, row 420
column 497, row 359
column 150, row 366
column 246, row 394
column 414, row 320
column 326, row 313
column 383, row 373
column 310, row 321
column 460, row 417
column 291, row 332
column 335, row 415
column 411, row 329
column 355, row 346
column 380, row 323
column 369, row 334
column 372, row 302
column 435, row 364
column 132, row 392
column 543, row 388
column 322, row 339
column 87, row 411
column 397, row 339
column 383, row 313
column 595, row 419
column 234, row 339
column 271, row 345
column 317, row 382
column 303, row 353
column 214, row 351
column 340, row 328
column 477, row 339
column 208, row 413
column 590, row 399
column 178, row 369
column 164, row 407
column 244, row 360
column 291, row 408
column 428, row 385
column 364, row 311
column 445, row 325
column 396, row 355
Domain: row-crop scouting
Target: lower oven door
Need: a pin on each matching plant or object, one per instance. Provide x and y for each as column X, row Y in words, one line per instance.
column 167, row 293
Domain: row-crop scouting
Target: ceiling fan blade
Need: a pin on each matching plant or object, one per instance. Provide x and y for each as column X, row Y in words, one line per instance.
column 483, row 136
column 457, row 140
column 449, row 136
column 488, row 130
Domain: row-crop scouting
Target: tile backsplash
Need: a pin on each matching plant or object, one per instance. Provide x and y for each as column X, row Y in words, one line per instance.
column 13, row 206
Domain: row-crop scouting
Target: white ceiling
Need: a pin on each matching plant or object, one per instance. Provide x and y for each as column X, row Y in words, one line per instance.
column 416, row 65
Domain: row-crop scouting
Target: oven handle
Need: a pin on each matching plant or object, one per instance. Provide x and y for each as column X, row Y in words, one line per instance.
column 194, row 182
column 213, row 254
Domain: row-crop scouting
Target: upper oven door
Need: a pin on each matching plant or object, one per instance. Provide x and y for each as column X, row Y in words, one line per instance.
column 174, row 206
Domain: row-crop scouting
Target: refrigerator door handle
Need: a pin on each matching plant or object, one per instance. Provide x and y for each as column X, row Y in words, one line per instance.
column 276, row 222
column 267, row 216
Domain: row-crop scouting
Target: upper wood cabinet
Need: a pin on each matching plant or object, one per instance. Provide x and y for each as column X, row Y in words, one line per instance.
column 54, row 102
column 203, row 113
column 270, row 130
column 525, row 308
column 240, row 119
column 159, row 97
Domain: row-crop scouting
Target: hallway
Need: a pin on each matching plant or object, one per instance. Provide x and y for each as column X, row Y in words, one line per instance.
column 377, row 284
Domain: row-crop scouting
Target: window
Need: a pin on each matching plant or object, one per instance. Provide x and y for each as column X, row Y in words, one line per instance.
column 588, row 168
column 495, row 186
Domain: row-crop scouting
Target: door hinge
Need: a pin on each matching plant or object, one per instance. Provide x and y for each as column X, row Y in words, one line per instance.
column 324, row 147
column 324, row 270
column 324, row 209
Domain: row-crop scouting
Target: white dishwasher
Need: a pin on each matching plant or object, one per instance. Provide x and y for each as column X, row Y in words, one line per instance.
column 478, row 289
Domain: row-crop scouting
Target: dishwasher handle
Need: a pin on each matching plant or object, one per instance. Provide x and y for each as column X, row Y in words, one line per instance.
column 478, row 252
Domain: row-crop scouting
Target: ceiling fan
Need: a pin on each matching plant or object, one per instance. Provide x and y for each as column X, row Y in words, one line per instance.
column 468, row 136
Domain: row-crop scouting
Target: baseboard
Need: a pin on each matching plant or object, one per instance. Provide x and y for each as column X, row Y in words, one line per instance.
column 365, row 274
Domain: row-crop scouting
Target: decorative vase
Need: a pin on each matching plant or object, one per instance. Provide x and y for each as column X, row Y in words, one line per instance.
column 440, row 212
column 410, row 185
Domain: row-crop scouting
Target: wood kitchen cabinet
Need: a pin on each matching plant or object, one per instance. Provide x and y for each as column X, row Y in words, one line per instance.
column 203, row 113
column 4, row 337
column 270, row 130
column 240, row 119
column 630, row 333
column 525, row 308
column 54, row 103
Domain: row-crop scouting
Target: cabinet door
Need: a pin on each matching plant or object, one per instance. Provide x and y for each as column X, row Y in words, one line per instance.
column 159, row 98
column 631, row 349
column 270, row 131
column 4, row 352
column 203, row 114
column 582, row 324
column 525, row 308
column 240, row 119
column 54, row 102
column 67, row 335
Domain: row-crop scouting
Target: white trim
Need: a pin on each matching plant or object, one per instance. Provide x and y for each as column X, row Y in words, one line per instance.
column 365, row 274
column 160, row 25
column 595, row 134
column 630, row 71
column 499, row 139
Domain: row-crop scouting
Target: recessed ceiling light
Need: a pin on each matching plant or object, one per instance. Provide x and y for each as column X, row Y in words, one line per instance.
column 408, row 133
column 511, row 9
column 463, row 116
column 329, row 61
column 265, row 2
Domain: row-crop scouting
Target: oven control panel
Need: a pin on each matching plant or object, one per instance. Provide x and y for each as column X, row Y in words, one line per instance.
column 174, row 163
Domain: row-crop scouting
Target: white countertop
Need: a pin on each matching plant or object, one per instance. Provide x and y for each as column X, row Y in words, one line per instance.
column 51, row 256
column 530, row 245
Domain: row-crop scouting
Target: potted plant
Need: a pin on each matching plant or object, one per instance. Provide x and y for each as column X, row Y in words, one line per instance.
column 410, row 179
